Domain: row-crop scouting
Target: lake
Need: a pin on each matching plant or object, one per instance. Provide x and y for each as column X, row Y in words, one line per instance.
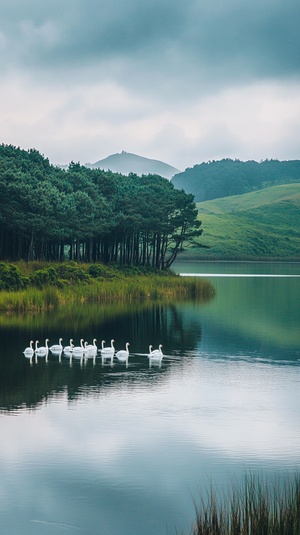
column 91, row 448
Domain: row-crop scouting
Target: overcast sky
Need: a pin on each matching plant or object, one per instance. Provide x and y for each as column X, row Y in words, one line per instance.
column 182, row 81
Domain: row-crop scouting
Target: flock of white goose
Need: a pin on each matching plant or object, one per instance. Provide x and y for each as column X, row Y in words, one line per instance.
column 86, row 350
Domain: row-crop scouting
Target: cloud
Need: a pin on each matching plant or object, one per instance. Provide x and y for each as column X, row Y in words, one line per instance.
column 171, row 79
column 168, row 36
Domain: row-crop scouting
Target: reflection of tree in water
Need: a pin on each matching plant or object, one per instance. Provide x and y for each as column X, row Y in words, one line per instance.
column 162, row 324
column 27, row 386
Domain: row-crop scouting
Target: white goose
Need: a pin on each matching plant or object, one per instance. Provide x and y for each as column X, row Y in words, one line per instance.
column 57, row 348
column 123, row 354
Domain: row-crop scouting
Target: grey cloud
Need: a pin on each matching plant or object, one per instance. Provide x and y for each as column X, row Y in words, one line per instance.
column 138, row 75
column 244, row 40
column 203, row 40
column 91, row 30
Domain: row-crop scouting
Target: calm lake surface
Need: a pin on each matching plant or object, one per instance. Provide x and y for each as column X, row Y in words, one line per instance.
column 94, row 449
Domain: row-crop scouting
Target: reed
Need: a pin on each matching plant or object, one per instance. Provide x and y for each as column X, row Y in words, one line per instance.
column 137, row 289
column 126, row 289
column 257, row 507
column 30, row 299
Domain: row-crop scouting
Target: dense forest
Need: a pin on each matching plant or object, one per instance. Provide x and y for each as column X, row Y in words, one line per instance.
column 228, row 177
column 82, row 214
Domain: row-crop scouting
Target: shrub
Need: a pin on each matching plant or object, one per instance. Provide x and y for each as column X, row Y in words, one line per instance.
column 72, row 272
column 11, row 277
column 97, row 270
column 44, row 277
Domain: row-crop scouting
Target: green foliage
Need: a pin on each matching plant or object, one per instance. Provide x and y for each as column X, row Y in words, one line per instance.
column 11, row 277
column 96, row 270
column 72, row 272
column 89, row 215
column 228, row 177
column 58, row 275
column 44, row 277
column 101, row 271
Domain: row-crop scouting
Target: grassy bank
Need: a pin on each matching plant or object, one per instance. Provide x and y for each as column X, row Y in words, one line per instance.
column 257, row 507
column 39, row 286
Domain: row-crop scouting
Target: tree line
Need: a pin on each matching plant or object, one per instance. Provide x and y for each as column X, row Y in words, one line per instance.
column 91, row 215
column 216, row 179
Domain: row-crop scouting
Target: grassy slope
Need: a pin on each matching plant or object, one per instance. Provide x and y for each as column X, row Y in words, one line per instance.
column 264, row 223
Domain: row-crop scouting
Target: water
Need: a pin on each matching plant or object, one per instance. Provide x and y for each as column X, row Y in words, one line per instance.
column 89, row 449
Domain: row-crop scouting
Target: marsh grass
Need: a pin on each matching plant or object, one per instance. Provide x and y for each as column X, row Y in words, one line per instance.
column 30, row 299
column 79, row 286
column 257, row 507
column 136, row 290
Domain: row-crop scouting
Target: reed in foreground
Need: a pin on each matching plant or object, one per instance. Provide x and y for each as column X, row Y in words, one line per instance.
column 257, row 507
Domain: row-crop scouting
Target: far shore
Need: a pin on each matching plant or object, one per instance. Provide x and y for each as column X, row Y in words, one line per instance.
column 185, row 257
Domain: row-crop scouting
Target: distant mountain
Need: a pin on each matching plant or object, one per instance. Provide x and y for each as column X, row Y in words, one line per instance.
column 126, row 162
column 228, row 177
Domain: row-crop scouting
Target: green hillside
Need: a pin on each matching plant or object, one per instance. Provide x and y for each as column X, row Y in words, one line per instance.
column 264, row 223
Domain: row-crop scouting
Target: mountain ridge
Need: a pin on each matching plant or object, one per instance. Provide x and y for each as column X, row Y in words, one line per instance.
column 127, row 162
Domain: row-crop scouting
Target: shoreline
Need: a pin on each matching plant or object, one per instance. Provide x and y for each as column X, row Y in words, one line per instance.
column 248, row 259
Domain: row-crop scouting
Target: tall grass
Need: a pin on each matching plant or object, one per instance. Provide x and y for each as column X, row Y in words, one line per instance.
column 30, row 299
column 137, row 289
column 257, row 507
column 127, row 289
